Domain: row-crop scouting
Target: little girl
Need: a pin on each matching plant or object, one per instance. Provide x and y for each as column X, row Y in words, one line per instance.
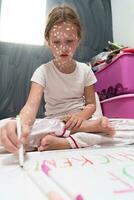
column 67, row 86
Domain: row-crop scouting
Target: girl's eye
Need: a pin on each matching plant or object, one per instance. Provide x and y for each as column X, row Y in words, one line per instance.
column 69, row 41
column 56, row 42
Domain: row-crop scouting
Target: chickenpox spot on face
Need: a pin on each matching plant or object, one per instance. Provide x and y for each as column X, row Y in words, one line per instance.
column 70, row 54
column 57, row 52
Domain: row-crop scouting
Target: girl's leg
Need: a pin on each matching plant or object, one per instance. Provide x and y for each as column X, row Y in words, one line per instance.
column 100, row 125
column 83, row 139
column 52, row 142
column 77, row 140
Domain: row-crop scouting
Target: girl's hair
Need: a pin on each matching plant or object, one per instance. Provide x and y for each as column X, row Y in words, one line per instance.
column 62, row 14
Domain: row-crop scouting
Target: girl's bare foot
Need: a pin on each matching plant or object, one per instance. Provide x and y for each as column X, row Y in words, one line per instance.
column 51, row 142
column 105, row 126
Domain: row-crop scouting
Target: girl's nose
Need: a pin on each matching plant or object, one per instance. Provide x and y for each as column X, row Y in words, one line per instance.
column 64, row 47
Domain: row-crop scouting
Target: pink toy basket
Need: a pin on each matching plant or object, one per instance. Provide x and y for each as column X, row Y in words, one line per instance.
column 117, row 77
column 119, row 107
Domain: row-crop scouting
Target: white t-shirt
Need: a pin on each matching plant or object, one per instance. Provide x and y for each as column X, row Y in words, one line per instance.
column 63, row 93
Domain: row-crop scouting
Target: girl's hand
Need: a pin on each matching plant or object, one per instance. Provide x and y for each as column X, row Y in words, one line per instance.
column 9, row 138
column 73, row 122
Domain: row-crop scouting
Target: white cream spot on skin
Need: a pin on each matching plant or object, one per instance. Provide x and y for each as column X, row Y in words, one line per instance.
column 31, row 102
column 28, row 112
column 29, row 121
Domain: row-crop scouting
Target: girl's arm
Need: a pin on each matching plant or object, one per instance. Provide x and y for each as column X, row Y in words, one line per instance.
column 90, row 102
column 74, row 120
column 30, row 109
column 8, row 135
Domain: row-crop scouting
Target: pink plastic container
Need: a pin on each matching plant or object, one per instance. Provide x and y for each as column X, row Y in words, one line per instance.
column 119, row 107
column 117, row 77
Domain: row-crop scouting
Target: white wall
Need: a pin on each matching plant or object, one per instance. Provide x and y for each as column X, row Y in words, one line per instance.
column 123, row 22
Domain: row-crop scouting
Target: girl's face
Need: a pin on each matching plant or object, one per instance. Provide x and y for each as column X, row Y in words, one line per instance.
column 63, row 41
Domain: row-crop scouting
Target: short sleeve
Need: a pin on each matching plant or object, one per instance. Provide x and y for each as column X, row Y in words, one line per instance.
column 90, row 77
column 39, row 76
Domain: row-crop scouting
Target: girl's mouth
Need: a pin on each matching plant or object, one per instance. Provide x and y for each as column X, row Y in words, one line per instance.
column 63, row 55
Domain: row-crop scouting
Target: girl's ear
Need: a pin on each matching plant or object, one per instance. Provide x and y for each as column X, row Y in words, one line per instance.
column 47, row 41
column 79, row 40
